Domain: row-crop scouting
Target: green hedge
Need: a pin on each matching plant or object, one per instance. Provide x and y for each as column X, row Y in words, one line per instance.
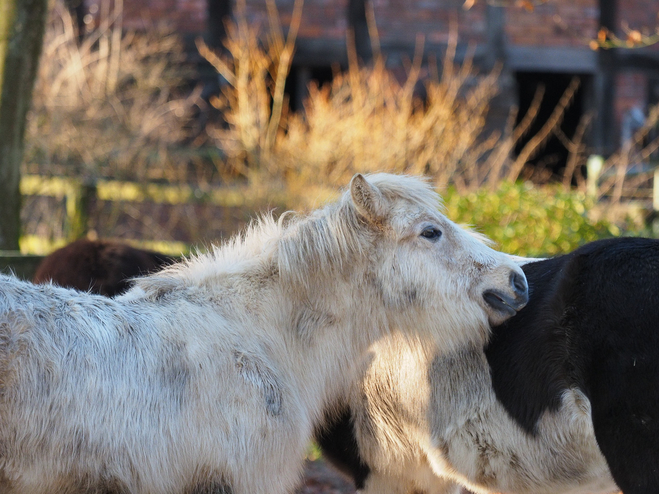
column 527, row 220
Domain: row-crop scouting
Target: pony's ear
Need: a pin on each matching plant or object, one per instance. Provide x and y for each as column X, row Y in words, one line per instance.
column 367, row 199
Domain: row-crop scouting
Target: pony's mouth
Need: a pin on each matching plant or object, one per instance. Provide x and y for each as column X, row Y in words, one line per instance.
column 504, row 303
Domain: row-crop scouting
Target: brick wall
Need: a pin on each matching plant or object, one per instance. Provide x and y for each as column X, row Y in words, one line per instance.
column 632, row 87
column 396, row 20
column 557, row 23
column 401, row 20
column 186, row 16
column 638, row 14
column 554, row 24
column 631, row 91
column 320, row 18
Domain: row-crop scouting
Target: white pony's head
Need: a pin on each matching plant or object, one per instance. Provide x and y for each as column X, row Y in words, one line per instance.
column 427, row 269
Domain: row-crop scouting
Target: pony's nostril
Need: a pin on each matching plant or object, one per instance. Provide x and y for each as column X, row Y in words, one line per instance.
column 518, row 282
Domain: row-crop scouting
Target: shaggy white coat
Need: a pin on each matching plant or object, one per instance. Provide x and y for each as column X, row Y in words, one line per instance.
column 211, row 375
column 428, row 421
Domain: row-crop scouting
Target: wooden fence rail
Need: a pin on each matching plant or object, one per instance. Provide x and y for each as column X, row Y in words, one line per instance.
column 78, row 196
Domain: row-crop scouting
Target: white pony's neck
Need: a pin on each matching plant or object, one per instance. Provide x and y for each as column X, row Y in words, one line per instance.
column 329, row 341
column 335, row 312
column 306, row 292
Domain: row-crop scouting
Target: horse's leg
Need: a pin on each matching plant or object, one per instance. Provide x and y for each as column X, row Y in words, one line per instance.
column 379, row 483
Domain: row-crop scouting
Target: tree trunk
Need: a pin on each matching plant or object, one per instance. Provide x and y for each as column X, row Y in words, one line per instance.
column 21, row 35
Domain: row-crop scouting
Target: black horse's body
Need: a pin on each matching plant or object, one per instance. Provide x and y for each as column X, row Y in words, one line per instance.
column 592, row 323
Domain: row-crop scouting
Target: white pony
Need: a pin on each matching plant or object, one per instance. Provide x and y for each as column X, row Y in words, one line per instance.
column 210, row 376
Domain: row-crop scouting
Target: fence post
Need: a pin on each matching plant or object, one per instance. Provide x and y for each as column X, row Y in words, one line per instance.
column 594, row 167
column 655, row 203
column 78, row 202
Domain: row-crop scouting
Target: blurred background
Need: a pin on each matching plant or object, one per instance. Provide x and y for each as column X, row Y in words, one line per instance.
column 170, row 123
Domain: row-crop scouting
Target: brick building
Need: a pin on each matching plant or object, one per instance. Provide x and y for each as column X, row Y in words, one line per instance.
column 548, row 45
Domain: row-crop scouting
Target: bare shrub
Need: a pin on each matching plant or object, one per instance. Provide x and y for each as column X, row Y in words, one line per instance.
column 110, row 104
column 633, row 152
column 253, row 102
column 365, row 120
column 114, row 105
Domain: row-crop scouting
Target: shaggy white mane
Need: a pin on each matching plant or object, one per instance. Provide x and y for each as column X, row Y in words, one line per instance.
column 323, row 241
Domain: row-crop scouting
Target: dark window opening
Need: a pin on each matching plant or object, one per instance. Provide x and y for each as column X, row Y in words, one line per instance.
column 550, row 160
column 78, row 12
column 357, row 22
column 298, row 80
column 219, row 12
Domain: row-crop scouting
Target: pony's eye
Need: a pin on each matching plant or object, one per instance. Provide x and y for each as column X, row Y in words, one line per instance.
column 431, row 233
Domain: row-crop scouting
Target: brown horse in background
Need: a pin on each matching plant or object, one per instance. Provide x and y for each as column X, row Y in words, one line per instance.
column 105, row 267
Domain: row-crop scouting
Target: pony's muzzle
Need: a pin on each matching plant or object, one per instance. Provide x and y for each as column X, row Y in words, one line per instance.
column 509, row 302
column 520, row 288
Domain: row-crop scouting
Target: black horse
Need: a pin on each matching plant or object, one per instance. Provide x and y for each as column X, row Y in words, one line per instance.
column 592, row 323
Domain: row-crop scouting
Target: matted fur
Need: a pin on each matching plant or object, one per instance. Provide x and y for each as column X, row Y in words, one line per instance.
column 210, row 375
column 427, row 421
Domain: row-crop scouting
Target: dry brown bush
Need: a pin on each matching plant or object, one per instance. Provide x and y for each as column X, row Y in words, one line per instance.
column 626, row 189
column 368, row 120
column 365, row 120
column 112, row 105
column 109, row 104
